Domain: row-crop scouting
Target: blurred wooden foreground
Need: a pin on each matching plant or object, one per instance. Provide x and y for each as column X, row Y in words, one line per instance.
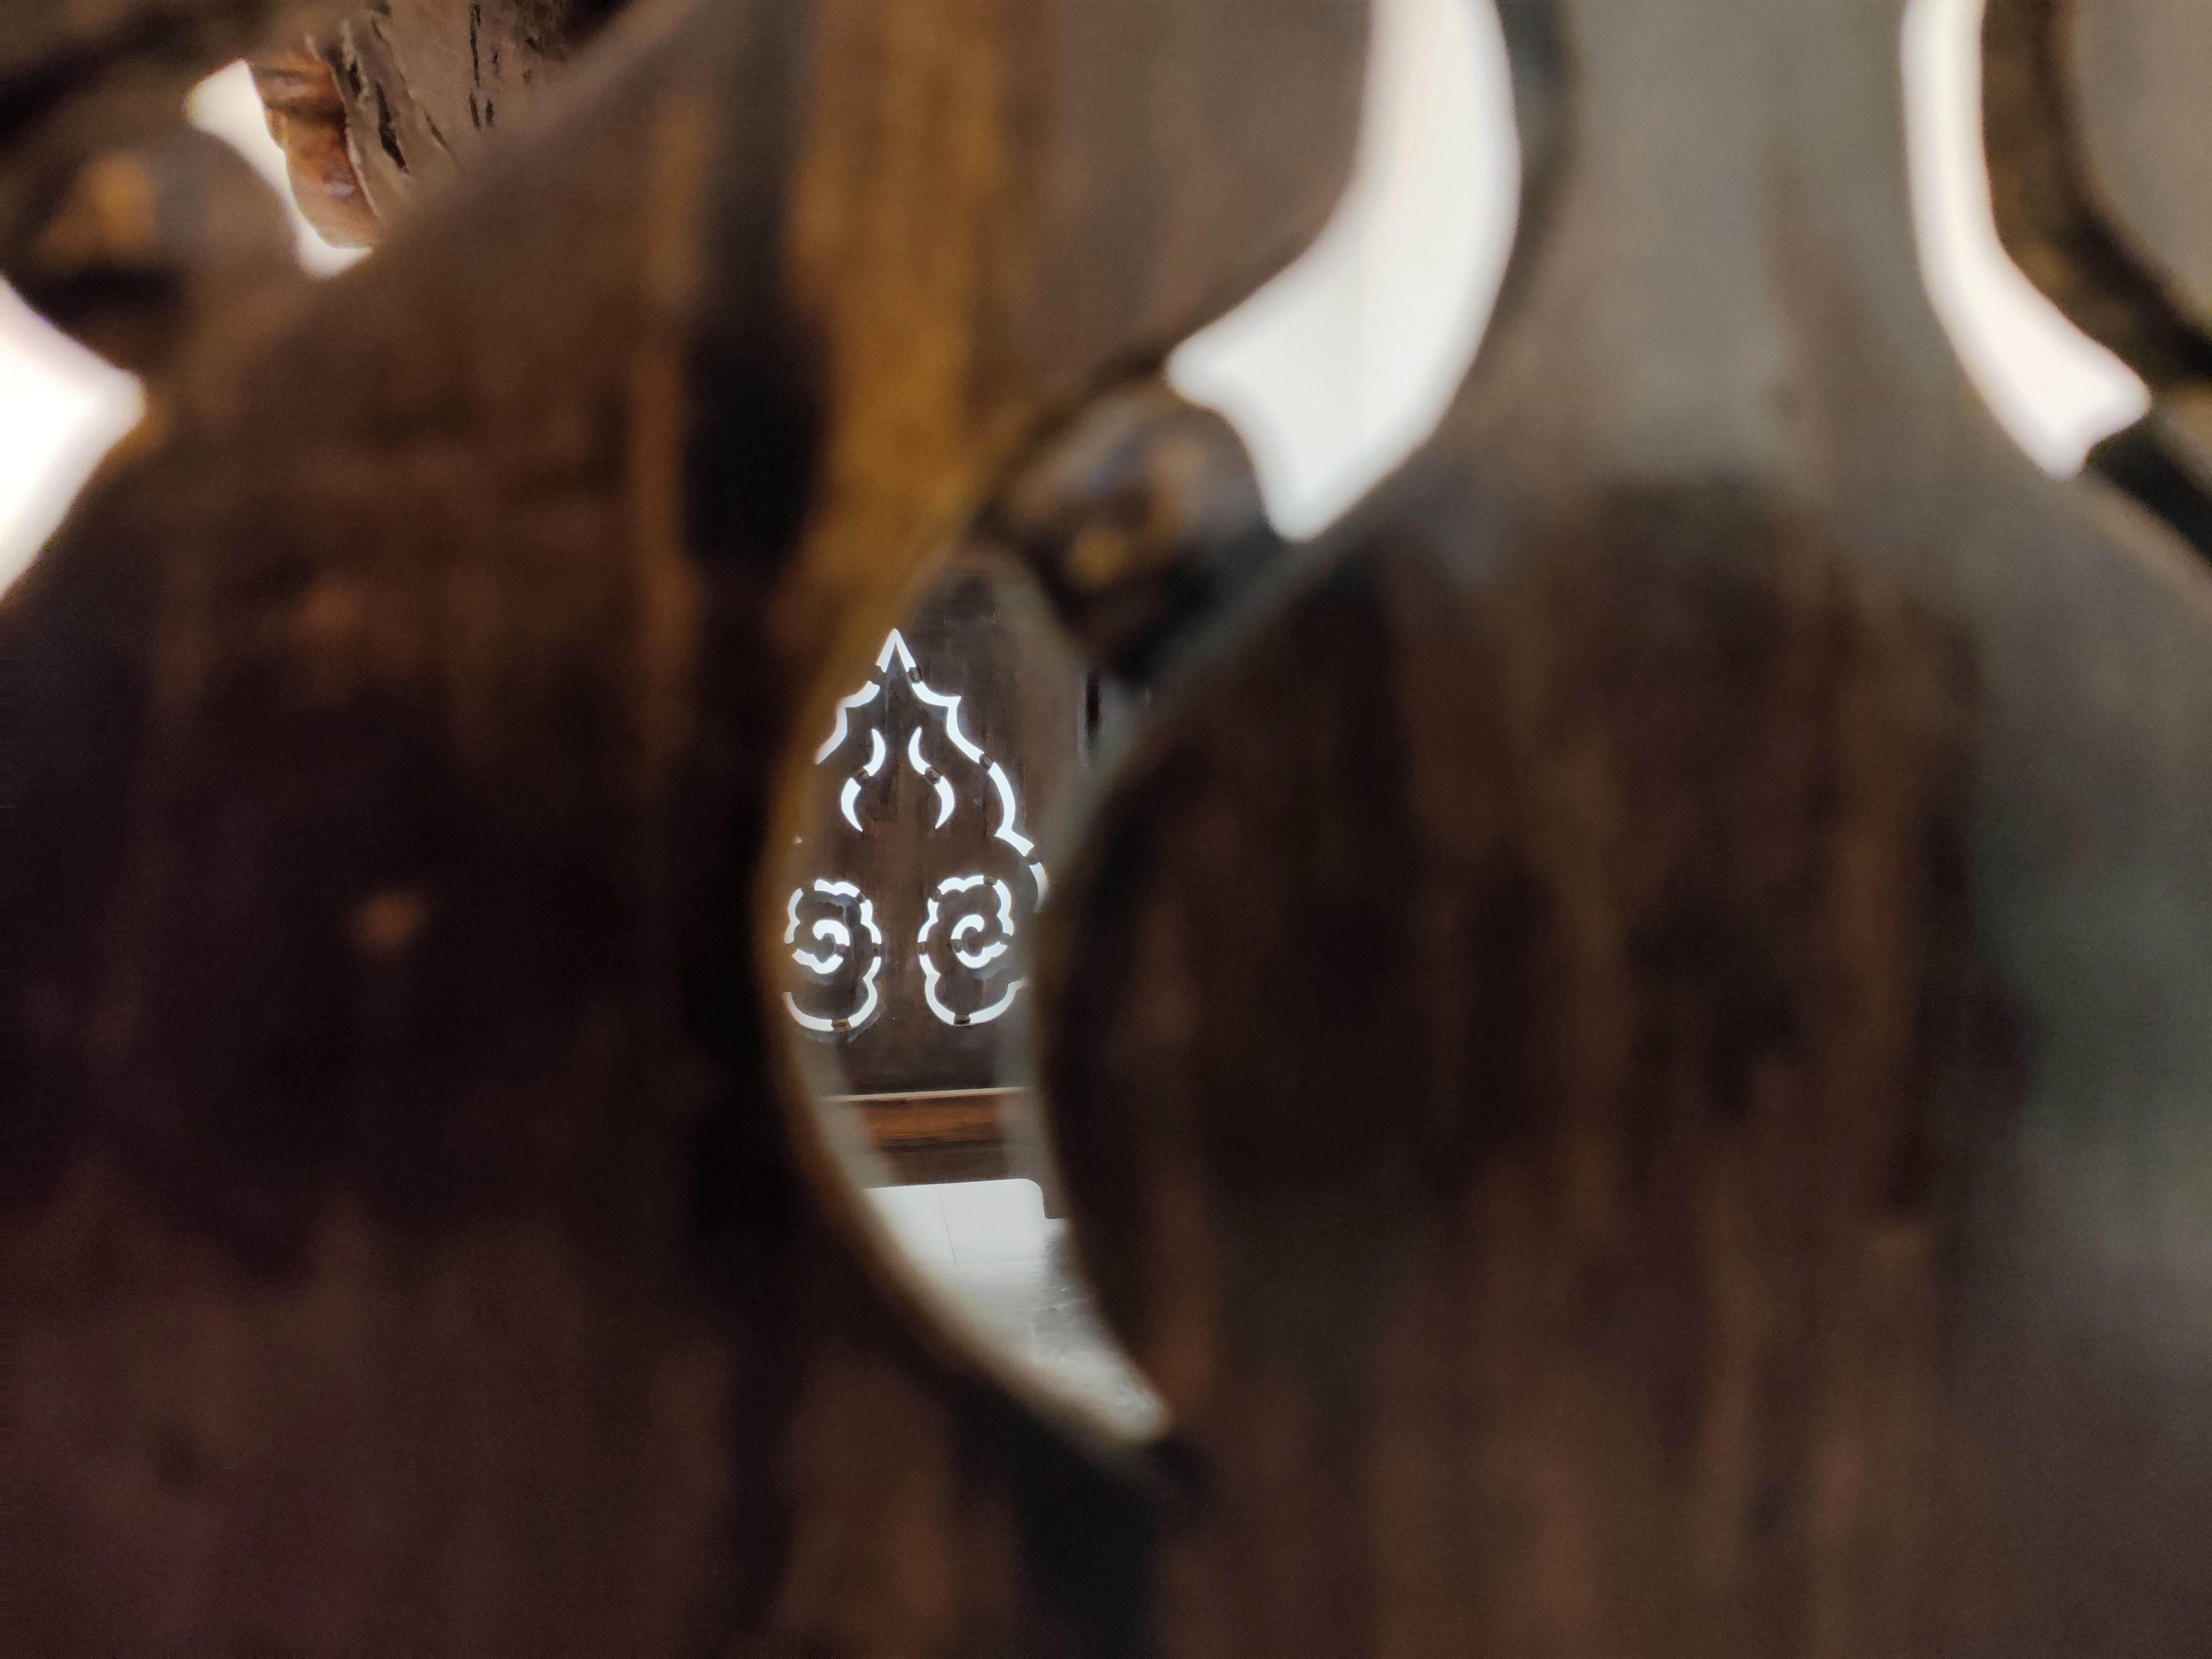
column 1627, row 1044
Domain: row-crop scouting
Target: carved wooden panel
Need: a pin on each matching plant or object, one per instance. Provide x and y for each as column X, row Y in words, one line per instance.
column 1626, row 1039
column 404, row 1248
column 917, row 882
column 397, row 98
column 1615, row 1049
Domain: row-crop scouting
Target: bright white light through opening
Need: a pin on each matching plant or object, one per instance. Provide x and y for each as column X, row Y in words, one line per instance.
column 1338, row 369
column 2054, row 389
column 61, row 409
column 873, row 703
column 227, row 106
column 1335, row 372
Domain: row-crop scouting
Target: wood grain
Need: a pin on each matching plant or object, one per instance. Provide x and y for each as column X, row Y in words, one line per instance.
column 397, row 98
column 403, row 1246
column 933, row 1138
column 91, row 98
column 2116, row 261
column 1609, row 1053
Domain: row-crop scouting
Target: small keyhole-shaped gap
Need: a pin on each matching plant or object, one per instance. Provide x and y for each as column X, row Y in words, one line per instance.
column 907, row 895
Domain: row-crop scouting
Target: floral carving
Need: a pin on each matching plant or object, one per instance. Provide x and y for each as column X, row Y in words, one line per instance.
column 897, row 724
column 838, row 947
column 965, row 945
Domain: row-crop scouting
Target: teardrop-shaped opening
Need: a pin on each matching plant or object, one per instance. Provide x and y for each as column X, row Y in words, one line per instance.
column 907, row 896
column 957, row 747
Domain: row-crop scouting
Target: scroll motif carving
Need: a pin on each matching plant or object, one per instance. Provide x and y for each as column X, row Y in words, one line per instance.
column 964, row 869
column 835, row 938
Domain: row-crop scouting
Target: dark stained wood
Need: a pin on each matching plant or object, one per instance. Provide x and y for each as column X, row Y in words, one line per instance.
column 1629, row 1043
column 397, row 98
column 91, row 93
column 307, row 114
column 1628, row 1052
column 403, row 1247
column 1139, row 516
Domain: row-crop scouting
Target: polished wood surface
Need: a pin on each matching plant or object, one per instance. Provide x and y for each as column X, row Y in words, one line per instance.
column 403, row 1245
column 1626, row 1039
